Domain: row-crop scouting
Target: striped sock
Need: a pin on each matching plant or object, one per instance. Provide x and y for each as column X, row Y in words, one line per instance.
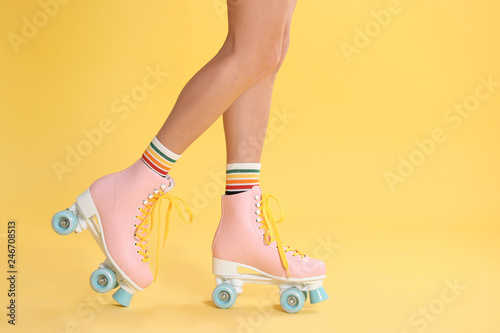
column 241, row 177
column 159, row 158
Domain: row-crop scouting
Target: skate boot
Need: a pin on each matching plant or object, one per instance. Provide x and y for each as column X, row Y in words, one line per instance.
column 118, row 210
column 248, row 237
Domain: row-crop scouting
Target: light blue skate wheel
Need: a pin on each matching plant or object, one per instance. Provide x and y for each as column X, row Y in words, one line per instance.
column 64, row 222
column 318, row 295
column 103, row 280
column 305, row 295
column 123, row 297
column 292, row 300
column 224, row 296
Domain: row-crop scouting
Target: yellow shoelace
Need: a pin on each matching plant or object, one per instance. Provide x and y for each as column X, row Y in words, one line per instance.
column 270, row 226
column 149, row 218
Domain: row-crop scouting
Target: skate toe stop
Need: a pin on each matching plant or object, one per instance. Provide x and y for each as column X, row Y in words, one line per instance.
column 122, row 297
column 318, row 295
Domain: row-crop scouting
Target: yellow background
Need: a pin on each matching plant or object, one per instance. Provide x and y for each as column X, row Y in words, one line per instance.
column 388, row 253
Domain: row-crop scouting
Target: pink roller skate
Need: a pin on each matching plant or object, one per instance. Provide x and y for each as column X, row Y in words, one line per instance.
column 248, row 237
column 117, row 209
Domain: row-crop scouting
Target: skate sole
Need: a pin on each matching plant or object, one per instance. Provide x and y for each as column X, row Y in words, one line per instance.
column 227, row 272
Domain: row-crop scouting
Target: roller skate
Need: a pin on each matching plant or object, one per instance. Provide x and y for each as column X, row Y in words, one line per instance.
column 248, row 238
column 118, row 211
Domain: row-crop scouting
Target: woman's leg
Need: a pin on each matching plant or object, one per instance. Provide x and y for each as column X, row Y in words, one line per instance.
column 247, row 235
column 245, row 125
column 251, row 51
column 245, row 122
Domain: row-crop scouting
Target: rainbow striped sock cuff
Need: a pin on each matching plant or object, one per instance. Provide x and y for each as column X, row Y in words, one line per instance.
column 241, row 177
column 159, row 158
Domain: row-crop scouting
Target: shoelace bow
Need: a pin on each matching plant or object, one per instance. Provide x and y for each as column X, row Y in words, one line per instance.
column 270, row 226
column 151, row 206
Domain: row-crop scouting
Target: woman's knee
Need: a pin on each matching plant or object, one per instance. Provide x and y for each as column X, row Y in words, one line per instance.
column 253, row 61
column 284, row 49
column 261, row 61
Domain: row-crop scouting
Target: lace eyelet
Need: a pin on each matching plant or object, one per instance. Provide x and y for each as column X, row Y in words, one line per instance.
column 256, row 197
